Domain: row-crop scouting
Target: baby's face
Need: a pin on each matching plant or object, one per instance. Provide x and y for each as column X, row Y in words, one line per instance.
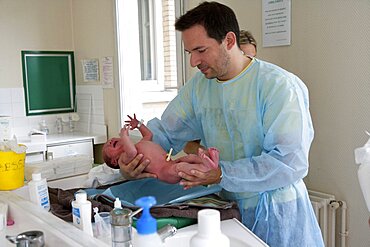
column 113, row 149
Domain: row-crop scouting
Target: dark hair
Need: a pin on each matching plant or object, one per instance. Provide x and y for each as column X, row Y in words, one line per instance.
column 106, row 157
column 216, row 18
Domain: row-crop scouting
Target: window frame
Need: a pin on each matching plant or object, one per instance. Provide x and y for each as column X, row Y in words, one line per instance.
column 155, row 90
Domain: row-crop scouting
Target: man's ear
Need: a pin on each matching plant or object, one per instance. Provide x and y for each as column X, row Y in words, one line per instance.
column 230, row 40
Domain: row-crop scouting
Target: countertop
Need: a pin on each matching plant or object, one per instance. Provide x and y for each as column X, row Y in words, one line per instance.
column 52, row 139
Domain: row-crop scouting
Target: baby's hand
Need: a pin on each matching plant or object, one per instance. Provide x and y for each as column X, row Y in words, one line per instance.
column 133, row 122
column 124, row 130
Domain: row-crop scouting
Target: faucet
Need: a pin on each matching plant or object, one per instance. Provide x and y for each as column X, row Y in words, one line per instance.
column 59, row 125
column 166, row 232
column 28, row 239
column 71, row 124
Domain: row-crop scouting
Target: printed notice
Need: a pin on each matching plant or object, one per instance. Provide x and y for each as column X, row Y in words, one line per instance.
column 90, row 69
column 107, row 72
column 276, row 22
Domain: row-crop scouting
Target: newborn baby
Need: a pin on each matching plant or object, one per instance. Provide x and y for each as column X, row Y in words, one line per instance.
column 166, row 169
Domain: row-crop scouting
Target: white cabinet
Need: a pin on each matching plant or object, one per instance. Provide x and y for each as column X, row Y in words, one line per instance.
column 62, row 158
column 61, row 145
column 63, row 149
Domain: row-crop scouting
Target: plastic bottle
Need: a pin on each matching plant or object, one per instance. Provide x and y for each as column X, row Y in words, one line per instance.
column 146, row 226
column 43, row 127
column 209, row 230
column 38, row 191
column 102, row 225
column 121, row 225
column 81, row 212
column 362, row 157
column 364, row 179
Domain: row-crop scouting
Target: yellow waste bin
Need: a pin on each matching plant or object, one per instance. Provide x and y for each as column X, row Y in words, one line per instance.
column 11, row 170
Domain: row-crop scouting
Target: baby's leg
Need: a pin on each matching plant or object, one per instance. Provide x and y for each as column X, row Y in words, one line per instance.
column 212, row 161
column 202, row 162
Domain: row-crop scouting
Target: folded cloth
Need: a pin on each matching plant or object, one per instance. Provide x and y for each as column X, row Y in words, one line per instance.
column 187, row 209
column 102, row 175
column 60, row 202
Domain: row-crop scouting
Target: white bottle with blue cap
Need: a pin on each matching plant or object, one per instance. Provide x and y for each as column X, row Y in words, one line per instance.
column 146, row 226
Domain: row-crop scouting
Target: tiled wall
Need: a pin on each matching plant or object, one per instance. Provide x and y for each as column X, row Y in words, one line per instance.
column 90, row 108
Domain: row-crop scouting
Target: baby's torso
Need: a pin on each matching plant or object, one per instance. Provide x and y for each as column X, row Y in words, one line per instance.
column 155, row 153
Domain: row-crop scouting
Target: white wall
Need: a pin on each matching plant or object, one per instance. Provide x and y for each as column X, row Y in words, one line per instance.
column 94, row 37
column 330, row 51
column 31, row 25
column 84, row 26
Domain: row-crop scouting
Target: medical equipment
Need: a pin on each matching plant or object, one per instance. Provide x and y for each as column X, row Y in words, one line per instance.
column 169, row 155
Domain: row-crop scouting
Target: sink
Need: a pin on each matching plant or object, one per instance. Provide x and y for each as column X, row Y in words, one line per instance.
column 239, row 235
column 28, row 217
column 32, row 146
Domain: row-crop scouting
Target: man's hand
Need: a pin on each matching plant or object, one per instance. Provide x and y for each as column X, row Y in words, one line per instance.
column 135, row 169
column 196, row 177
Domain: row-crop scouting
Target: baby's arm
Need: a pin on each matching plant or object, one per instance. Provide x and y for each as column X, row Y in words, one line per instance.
column 129, row 148
column 134, row 123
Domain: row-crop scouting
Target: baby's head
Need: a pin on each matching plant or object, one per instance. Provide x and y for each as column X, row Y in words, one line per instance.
column 112, row 150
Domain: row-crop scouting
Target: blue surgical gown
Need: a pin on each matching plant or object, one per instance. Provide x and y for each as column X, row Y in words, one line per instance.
column 260, row 122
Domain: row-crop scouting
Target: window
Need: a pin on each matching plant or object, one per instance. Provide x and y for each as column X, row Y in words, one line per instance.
column 150, row 64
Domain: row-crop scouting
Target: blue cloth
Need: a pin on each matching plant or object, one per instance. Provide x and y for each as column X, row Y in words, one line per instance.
column 260, row 122
column 164, row 193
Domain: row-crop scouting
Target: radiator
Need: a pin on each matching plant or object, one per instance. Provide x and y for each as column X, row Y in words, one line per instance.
column 325, row 207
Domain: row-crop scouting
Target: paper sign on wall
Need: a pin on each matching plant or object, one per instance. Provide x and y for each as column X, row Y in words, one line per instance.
column 276, row 22
column 107, row 72
column 90, row 69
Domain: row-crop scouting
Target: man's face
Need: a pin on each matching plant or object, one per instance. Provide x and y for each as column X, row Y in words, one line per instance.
column 210, row 57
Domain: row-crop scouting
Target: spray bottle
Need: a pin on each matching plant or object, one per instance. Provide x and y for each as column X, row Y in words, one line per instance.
column 362, row 157
column 146, row 226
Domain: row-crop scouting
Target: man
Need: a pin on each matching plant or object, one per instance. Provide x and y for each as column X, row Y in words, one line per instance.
column 256, row 114
column 248, row 45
